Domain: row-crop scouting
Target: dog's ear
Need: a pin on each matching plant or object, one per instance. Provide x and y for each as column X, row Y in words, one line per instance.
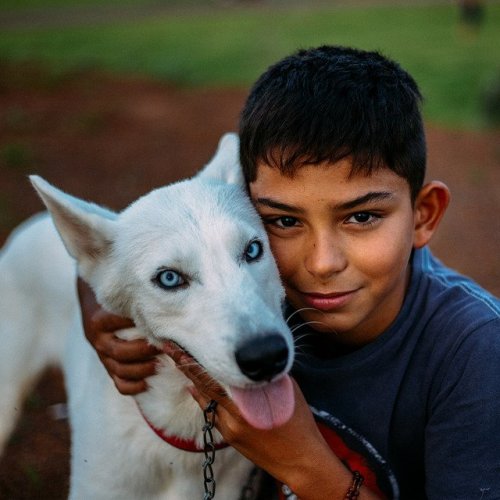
column 225, row 165
column 86, row 229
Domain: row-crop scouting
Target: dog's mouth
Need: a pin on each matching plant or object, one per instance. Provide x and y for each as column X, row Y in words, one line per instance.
column 264, row 406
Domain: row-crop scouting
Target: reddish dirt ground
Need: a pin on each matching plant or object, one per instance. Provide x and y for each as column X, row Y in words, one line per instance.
column 111, row 140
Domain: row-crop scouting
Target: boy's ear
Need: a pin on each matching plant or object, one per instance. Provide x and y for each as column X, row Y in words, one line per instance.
column 430, row 206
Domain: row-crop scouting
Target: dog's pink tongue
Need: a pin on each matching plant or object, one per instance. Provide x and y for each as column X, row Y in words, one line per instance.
column 266, row 407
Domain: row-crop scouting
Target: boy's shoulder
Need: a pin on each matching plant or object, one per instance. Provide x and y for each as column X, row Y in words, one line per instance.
column 451, row 329
column 450, row 290
column 451, row 303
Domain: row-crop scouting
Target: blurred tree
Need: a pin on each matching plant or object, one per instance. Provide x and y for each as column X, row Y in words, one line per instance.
column 472, row 13
column 490, row 100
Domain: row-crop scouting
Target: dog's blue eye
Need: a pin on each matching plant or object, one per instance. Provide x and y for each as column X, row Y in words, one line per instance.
column 253, row 251
column 169, row 279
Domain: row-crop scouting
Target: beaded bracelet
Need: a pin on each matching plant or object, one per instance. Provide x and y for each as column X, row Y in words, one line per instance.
column 353, row 491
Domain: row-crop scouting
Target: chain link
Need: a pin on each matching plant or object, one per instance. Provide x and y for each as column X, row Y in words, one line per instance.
column 209, row 450
column 248, row 491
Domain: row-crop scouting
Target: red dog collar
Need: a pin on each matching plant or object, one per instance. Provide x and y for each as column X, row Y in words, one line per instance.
column 180, row 443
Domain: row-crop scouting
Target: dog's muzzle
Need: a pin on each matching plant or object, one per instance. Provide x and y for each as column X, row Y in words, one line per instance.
column 264, row 357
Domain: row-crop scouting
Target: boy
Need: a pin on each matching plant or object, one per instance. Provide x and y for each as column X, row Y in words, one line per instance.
column 398, row 357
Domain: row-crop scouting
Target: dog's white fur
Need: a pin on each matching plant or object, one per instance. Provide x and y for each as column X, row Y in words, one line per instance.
column 200, row 227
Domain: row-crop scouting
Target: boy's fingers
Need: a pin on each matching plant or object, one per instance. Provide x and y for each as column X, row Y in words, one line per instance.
column 128, row 387
column 126, row 351
column 129, row 371
column 205, row 385
column 104, row 321
column 199, row 397
column 174, row 351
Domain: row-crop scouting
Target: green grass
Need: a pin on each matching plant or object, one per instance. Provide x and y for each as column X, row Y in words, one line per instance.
column 36, row 4
column 232, row 47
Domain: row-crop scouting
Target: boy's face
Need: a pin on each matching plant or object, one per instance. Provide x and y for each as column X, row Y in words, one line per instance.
column 342, row 244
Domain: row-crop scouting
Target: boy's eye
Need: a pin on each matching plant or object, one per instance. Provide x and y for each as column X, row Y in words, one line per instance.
column 285, row 221
column 362, row 218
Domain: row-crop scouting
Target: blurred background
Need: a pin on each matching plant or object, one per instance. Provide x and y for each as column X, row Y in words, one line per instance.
column 111, row 98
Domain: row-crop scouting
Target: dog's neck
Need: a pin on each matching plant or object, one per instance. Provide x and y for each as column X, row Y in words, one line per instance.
column 178, row 442
column 170, row 411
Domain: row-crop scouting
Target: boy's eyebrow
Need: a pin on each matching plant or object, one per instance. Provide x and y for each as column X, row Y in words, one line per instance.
column 269, row 202
column 366, row 198
column 347, row 205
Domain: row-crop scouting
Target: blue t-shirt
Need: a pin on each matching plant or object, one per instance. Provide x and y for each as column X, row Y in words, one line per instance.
column 417, row 411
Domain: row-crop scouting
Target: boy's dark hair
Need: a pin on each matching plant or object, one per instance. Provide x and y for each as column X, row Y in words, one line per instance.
column 329, row 103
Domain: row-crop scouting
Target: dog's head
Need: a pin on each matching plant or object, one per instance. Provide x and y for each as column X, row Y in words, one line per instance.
column 191, row 263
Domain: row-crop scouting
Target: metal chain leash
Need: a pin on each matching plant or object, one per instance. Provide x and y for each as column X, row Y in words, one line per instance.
column 248, row 491
column 209, row 450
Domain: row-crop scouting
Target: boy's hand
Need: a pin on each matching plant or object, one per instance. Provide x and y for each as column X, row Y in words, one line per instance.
column 128, row 363
column 294, row 453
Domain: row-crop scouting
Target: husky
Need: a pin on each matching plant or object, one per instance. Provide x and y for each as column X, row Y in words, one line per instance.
column 190, row 263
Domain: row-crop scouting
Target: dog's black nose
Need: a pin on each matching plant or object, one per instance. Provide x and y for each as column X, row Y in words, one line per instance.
column 262, row 358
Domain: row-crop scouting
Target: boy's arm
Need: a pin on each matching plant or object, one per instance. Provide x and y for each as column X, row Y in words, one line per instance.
column 295, row 453
column 128, row 363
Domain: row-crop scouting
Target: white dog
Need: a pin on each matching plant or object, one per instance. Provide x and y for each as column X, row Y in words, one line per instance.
column 190, row 263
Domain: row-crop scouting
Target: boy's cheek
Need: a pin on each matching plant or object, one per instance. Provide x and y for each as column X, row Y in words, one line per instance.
column 283, row 252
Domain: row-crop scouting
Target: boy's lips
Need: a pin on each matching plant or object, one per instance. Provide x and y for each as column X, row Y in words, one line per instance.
column 327, row 301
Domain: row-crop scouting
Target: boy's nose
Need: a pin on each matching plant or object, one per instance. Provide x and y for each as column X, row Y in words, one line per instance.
column 325, row 257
